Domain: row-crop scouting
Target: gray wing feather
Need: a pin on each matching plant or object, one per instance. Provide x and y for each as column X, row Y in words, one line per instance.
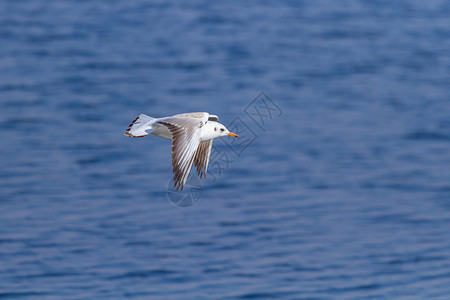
column 186, row 135
column 201, row 159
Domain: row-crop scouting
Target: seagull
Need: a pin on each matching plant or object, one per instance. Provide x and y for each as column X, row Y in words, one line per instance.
column 192, row 136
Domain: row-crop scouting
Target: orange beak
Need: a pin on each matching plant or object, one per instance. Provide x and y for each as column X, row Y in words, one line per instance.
column 232, row 134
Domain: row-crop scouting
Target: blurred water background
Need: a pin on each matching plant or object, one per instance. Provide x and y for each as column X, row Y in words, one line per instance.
column 346, row 195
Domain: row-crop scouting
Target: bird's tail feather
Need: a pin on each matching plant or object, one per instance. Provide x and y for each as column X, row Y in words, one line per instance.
column 138, row 127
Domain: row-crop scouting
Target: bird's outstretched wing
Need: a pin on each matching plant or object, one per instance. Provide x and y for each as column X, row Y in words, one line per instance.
column 186, row 136
column 213, row 118
column 201, row 159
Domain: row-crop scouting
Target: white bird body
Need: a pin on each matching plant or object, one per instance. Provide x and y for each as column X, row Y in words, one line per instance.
column 192, row 135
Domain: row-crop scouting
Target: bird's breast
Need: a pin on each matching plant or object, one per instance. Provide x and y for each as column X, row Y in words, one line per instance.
column 208, row 134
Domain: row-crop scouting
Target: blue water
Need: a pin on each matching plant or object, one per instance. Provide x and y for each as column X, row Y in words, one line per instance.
column 344, row 193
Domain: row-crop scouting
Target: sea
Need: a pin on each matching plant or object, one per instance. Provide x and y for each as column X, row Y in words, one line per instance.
column 338, row 187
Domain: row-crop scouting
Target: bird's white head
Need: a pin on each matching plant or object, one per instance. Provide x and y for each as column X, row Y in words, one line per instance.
column 214, row 130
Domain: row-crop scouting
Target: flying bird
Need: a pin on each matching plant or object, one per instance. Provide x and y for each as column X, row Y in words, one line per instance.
column 192, row 135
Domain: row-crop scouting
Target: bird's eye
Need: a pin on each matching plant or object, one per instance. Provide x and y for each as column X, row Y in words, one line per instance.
column 221, row 129
column 215, row 128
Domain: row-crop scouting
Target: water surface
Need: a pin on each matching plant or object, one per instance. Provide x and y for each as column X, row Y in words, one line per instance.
column 344, row 196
